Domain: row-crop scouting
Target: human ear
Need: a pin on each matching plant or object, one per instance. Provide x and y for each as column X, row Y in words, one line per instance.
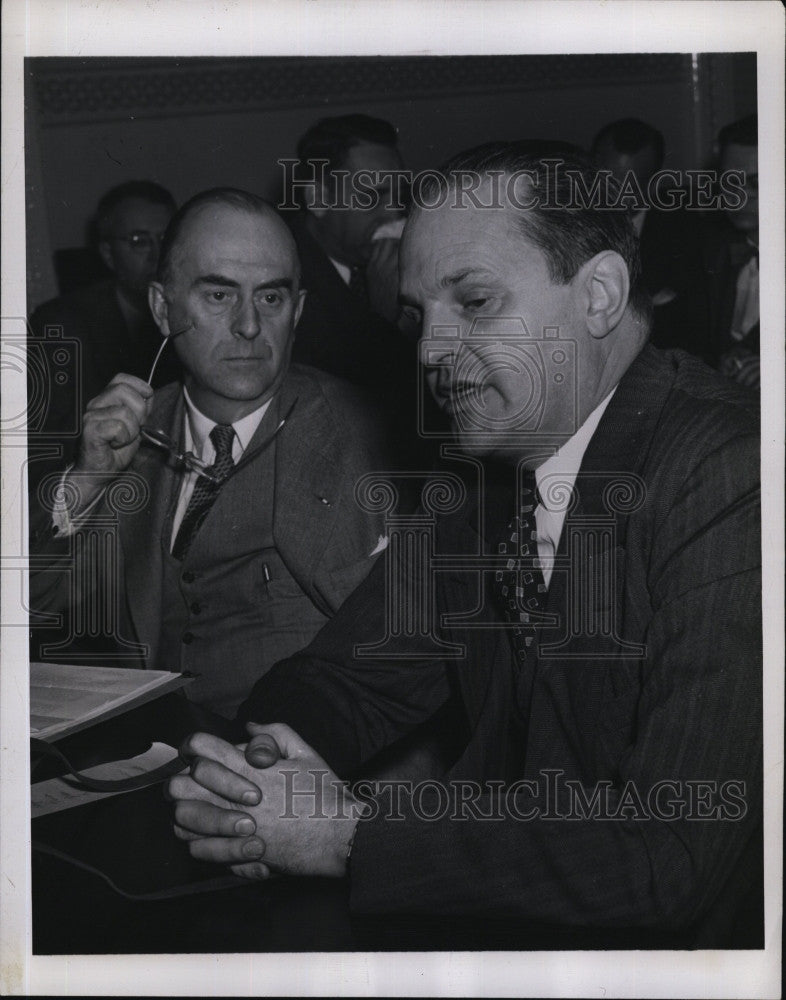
column 607, row 287
column 105, row 250
column 301, row 300
column 159, row 307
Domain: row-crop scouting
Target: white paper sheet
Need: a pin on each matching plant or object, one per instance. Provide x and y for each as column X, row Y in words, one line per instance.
column 56, row 794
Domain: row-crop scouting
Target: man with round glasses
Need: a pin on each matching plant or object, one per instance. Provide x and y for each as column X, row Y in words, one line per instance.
column 111, row 318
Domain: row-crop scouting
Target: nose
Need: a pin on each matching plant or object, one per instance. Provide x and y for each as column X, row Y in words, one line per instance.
column 246, row 320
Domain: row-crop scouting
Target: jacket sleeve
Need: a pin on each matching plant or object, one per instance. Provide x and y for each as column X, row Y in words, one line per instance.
column 348, row 706
column 694, row 731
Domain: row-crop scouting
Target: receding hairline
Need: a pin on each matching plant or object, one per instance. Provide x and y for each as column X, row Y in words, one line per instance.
column 261, row 210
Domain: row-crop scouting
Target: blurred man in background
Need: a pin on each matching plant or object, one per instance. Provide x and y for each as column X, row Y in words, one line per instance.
column 111, row 319
column 669, row 239
column 731, row 259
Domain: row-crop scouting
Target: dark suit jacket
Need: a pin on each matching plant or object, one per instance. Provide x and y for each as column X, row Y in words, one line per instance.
column 327, row 444
column 670, row 247
column 337, row 332
column 675, row 696
column 719, row 249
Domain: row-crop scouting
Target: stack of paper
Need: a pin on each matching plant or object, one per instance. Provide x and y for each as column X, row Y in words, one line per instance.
column 65, row 698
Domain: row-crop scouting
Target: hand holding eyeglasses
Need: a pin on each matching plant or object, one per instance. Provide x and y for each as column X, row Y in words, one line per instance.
column 160, row 439
column 111, row 433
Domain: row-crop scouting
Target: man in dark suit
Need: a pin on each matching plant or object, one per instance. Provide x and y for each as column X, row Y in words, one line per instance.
column 111, row 319
column 237, row 554
column 669, row 238
column 596, row 597
column 731, row 259
column 347, row 230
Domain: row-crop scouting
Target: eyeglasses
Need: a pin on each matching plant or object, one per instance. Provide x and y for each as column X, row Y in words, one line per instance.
column 187, row 459
column 141, row 242
column 160, row 439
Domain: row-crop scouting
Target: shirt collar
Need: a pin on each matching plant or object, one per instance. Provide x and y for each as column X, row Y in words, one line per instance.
column 565, row 463
column 344, row 272
column 198, row 426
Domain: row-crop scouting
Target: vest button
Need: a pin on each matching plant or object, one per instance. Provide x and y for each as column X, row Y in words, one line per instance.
column 188, row 576
column 196, row 608
column 188, row 638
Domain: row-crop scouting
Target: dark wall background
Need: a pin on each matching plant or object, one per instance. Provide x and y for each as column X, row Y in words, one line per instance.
column 195, row 123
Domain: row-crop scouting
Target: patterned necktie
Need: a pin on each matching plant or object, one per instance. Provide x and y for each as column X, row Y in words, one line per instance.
column 205, row 491
column 521, row 588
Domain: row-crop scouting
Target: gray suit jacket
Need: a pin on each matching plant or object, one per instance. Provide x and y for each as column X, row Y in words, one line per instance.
column 324, row 539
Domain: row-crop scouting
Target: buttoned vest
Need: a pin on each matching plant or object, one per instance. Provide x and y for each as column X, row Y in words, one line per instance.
column 231, row 609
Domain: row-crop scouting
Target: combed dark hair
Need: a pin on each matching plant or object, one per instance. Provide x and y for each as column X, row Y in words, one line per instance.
column 568, row 235
column 332, row 138
column 232, row 197
column 744, row 132
column 144, row 190
column 631, row 135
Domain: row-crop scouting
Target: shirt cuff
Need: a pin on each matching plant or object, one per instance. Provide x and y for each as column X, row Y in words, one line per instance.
column 62, row 522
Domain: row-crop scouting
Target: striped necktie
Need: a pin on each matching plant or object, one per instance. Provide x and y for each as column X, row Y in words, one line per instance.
column 205, row 491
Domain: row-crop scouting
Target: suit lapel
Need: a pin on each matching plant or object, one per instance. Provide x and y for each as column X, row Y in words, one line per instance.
column 307, row 479
column 142, row 532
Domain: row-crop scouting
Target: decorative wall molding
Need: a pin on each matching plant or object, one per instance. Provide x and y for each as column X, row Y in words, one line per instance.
column 87, row 90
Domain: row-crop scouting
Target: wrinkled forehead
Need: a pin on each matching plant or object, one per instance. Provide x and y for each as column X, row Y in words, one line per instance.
column 468, row 228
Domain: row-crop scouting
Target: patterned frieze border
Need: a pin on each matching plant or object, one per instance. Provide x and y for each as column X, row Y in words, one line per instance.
column 73, row 90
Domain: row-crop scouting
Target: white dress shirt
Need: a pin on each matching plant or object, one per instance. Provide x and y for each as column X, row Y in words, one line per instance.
column 561, row 470
column 746, row 299
column 196, row 439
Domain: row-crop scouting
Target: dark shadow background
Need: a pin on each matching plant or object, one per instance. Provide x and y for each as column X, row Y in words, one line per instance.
column 195, row 123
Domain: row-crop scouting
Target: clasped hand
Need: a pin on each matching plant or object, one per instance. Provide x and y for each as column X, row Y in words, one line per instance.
column 271, row 805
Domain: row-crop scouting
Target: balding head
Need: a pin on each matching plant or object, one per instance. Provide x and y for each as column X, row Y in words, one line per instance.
column 229, row 296
column 243, row 202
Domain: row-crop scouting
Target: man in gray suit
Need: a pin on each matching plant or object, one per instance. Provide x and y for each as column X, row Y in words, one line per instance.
column 232, row 494
column 596, row 610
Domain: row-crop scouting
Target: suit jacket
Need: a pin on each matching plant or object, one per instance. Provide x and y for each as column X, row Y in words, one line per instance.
column 670, row 248
column 721, row 246
column 323, row 538
column 671, row 692
column 338, row 333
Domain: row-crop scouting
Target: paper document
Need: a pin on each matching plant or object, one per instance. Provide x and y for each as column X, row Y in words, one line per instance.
column 62, row 793
column 65, row 698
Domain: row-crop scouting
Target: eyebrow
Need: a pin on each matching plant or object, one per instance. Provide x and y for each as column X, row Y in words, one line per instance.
column 224, row 282
column 449, row 280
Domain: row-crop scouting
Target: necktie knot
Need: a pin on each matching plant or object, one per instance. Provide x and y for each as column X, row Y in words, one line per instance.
column 205, row 491
column 222, row 436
